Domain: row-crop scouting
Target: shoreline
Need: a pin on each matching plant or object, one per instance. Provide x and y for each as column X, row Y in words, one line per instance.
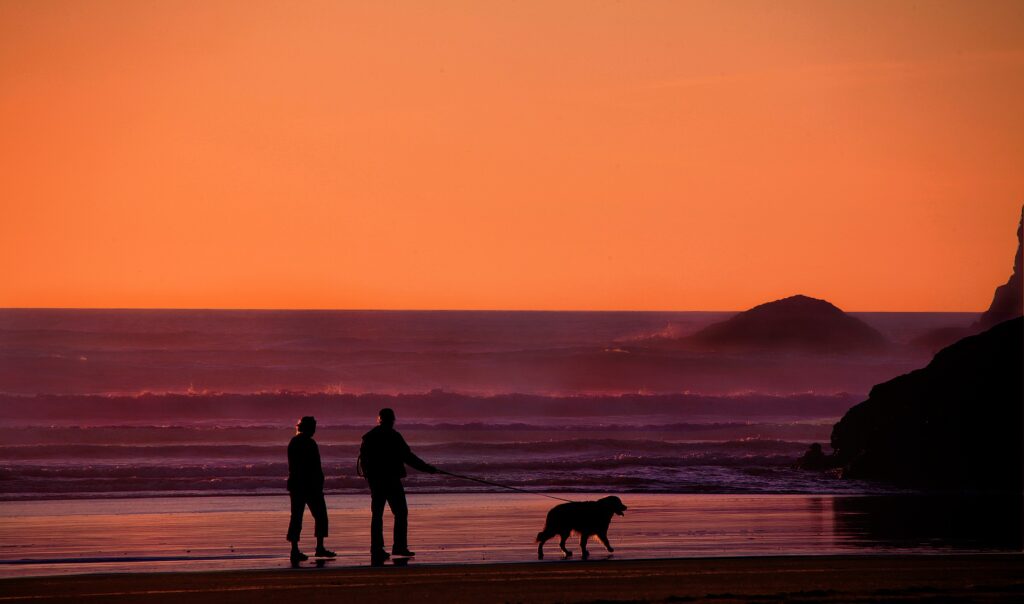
column 61, row 538
column 882, row 490
column 824, row 578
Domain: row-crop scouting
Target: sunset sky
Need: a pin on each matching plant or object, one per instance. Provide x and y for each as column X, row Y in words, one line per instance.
column 509, row 155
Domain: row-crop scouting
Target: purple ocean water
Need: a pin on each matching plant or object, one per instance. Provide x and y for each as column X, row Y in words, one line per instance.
column 114, row 403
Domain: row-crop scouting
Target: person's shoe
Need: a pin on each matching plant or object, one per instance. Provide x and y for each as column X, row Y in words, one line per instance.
column 324, row 553
column 404, row 553
column 297, row 556
column 379, row 556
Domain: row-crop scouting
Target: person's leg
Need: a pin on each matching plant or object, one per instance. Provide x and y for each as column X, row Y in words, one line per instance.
column 378, row 497
column 318, row 507
column 295, row 524
column 399, row 507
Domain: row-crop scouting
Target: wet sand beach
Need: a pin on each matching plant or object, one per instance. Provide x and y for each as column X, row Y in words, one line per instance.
column 181, row 534
column 916, row 578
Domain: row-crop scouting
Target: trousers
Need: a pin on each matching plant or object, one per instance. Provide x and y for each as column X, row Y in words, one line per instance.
column 317, row 506
column 392, row 493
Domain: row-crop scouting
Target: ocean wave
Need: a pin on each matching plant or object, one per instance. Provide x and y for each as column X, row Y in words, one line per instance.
column 540, row 467
column 54, row 442
column 435, row 407
column 592, row 447
column 574, row 464
column 649, row 479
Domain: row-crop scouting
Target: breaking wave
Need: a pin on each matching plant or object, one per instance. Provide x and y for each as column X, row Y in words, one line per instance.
column 577, row 464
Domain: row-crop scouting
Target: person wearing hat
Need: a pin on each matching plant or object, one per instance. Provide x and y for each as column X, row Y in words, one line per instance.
column 306, row 488
column 382, row 460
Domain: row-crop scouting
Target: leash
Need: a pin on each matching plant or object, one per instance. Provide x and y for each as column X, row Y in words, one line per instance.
column 503, row 486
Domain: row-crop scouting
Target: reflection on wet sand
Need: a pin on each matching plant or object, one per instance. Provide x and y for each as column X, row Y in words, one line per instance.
column 231, row 533
column 954, row 522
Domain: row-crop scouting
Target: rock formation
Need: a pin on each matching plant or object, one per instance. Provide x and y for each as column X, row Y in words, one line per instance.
column 1008, row 301
column 955, row 423
column 797, row 323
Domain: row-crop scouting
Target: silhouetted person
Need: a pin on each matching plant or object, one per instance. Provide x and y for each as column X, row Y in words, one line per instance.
column 382, row 459
column 306, row 488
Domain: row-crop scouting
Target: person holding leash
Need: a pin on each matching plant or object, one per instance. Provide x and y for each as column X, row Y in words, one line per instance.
column 383, row 456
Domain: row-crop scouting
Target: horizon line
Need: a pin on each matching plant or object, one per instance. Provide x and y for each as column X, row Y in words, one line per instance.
column 440, row 310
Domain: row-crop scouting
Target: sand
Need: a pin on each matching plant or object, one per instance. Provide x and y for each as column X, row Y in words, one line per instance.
column 187, row 534
column 975, row 578
column 479, row 548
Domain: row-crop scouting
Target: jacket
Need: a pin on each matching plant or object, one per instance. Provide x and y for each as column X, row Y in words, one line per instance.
column 304, row 470
column 384, row 453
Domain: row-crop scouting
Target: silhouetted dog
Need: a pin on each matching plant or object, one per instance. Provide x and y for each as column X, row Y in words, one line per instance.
column 587, row 518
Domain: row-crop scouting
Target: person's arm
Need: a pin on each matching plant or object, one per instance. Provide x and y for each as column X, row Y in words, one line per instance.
column 293, row 458
column 292, row 465
column 410, row 458
column 361, row 459
column 317, row 468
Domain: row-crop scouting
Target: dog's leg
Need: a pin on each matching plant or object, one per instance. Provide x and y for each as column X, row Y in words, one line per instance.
column 561, row 544
column 583, row 546
column 604, row 539
column 541, row 538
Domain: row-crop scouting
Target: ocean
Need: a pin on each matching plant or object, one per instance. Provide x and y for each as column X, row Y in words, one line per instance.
column 136, row 440
column 145, row 403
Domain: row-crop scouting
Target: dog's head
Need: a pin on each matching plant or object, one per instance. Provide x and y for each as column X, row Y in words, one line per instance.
column 613, row 504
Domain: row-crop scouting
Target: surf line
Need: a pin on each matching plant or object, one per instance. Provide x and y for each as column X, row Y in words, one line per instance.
column 503, row 486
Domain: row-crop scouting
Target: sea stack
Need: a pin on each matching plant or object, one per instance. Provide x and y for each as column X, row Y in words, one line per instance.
column 1008, row 301
column 957, row 423
column 798, row 323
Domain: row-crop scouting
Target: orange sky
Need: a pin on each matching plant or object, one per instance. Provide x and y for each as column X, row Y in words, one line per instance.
column 509, row 155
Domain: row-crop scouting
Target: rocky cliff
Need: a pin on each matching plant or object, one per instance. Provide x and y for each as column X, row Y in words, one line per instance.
column 955, row 423
column 1008, row 301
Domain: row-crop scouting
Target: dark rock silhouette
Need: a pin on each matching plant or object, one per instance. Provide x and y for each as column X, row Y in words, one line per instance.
column 956, row 423
column 1008, row 300
column 814, row 459
column 961, row 521
column 797, row 323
